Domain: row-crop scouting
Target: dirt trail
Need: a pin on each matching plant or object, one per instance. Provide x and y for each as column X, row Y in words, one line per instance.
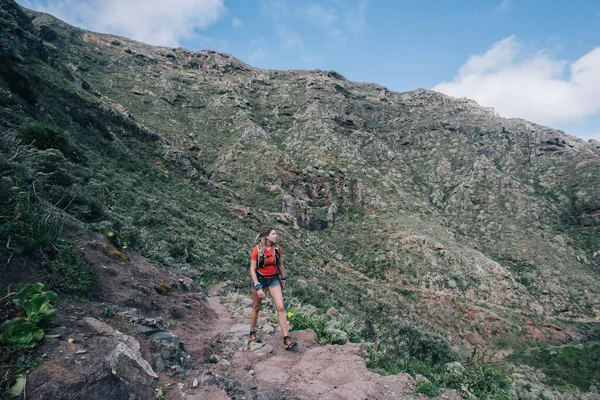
column 266, row 371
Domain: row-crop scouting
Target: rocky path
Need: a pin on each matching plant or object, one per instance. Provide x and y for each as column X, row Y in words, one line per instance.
column 239, row 370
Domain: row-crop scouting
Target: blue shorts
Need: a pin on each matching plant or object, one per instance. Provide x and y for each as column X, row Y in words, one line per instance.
column 269, row 282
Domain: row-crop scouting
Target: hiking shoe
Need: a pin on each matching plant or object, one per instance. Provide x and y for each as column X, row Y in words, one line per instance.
column 252, row 337
column 288, row 343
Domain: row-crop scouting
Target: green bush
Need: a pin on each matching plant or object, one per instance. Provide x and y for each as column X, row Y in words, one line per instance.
column 69, row 272
column 484, row 380
column 565, row 366
column 44, row 136
column 429, row 389
column 37, row 226
column 405, row 342
column 23, row 332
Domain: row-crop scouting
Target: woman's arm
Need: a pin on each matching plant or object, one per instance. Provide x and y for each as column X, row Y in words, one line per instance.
column 253, row 272
column 281, row 269
column 259, row 292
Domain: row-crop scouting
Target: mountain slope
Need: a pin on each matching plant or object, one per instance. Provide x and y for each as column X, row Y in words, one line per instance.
column 417, row 205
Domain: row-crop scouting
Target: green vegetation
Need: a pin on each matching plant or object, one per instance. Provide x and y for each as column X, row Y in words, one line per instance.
column 567, row 366
column 36, row 226
column 69, row 273
column 24, row 332
column 429, row 389
column 44, row 136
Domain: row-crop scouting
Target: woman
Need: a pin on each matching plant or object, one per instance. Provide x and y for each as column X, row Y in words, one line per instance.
column 267, row 272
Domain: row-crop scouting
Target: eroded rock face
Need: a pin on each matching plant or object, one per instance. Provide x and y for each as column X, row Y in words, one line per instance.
column 112, row 367
column 298, row 209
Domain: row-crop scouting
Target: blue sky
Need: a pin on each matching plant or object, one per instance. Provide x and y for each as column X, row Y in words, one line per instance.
column 535, row 59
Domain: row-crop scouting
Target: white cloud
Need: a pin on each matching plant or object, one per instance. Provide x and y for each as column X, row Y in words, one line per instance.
column 289, row 38
column 258, row 52
column 534, row 86
column 156, row 22
column 236, row 22
column 503, row 6
column 325, row 19
column 354, row 18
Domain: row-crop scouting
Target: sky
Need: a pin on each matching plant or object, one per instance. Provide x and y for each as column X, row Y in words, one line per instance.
column 532, row 59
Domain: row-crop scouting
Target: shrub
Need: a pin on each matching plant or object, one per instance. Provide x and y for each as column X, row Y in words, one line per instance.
column 429, row 389
column 70, row 273
column 44, row 136
column 37, row 227
column 403, row 342
column 23, row 332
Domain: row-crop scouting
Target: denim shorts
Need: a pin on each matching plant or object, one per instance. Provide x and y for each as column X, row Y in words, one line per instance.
column 269, row 282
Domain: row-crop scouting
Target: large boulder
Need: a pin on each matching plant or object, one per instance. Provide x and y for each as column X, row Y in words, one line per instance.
column 108, row 364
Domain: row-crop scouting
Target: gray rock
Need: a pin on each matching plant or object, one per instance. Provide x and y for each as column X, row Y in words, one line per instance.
column 118, row 359
column 214, row 358
column 159, row 364
column 266, row 349
column 247, row 302
column 148, row 330
column 256, row 346
column 268, row 329
column 166, row 337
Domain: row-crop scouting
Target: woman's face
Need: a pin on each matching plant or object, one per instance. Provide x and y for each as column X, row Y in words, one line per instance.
column 272, row 236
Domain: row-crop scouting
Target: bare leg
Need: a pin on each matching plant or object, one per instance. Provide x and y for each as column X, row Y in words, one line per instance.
column 277, row 297
column 256, row 301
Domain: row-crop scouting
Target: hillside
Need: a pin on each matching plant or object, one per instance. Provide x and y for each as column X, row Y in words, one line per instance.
column 396, row 208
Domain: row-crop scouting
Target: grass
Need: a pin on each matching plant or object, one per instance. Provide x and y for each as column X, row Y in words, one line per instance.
column 45, row 136
column 69, row 273
column 567, row 366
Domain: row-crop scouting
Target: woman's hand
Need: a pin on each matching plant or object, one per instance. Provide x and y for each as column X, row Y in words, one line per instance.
column 282, row 284
column 261, row 294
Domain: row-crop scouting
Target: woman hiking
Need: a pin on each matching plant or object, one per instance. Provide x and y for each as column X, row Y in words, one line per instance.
column 268, row 273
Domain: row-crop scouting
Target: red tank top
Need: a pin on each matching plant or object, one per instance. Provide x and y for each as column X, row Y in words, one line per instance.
column 269, row 270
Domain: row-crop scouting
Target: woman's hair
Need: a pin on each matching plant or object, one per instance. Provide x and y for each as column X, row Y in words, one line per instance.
column 262, row 235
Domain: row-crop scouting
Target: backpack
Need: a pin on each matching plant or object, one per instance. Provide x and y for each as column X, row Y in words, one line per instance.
column 261, row 257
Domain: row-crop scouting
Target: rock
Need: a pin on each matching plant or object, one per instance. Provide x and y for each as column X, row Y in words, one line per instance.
column 299, row 209
column 240, row 330
column 214, row 358
column 333, row 312
column 420, row 378
column 247, row 302
column 439, row 246
column 268, row 329
column 177, row 312
column 331, row 213
column 195, row 383
column 159, row 364
column 452, row 284
column 119, row 361
column 248, row 367
column 167, row 337
column 256, row 346
column 187, row 285
column 266, row 349
column 148, row 330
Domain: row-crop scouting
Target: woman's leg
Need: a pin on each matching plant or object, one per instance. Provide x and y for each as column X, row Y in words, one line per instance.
column 277, row 297
column 255, row 309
